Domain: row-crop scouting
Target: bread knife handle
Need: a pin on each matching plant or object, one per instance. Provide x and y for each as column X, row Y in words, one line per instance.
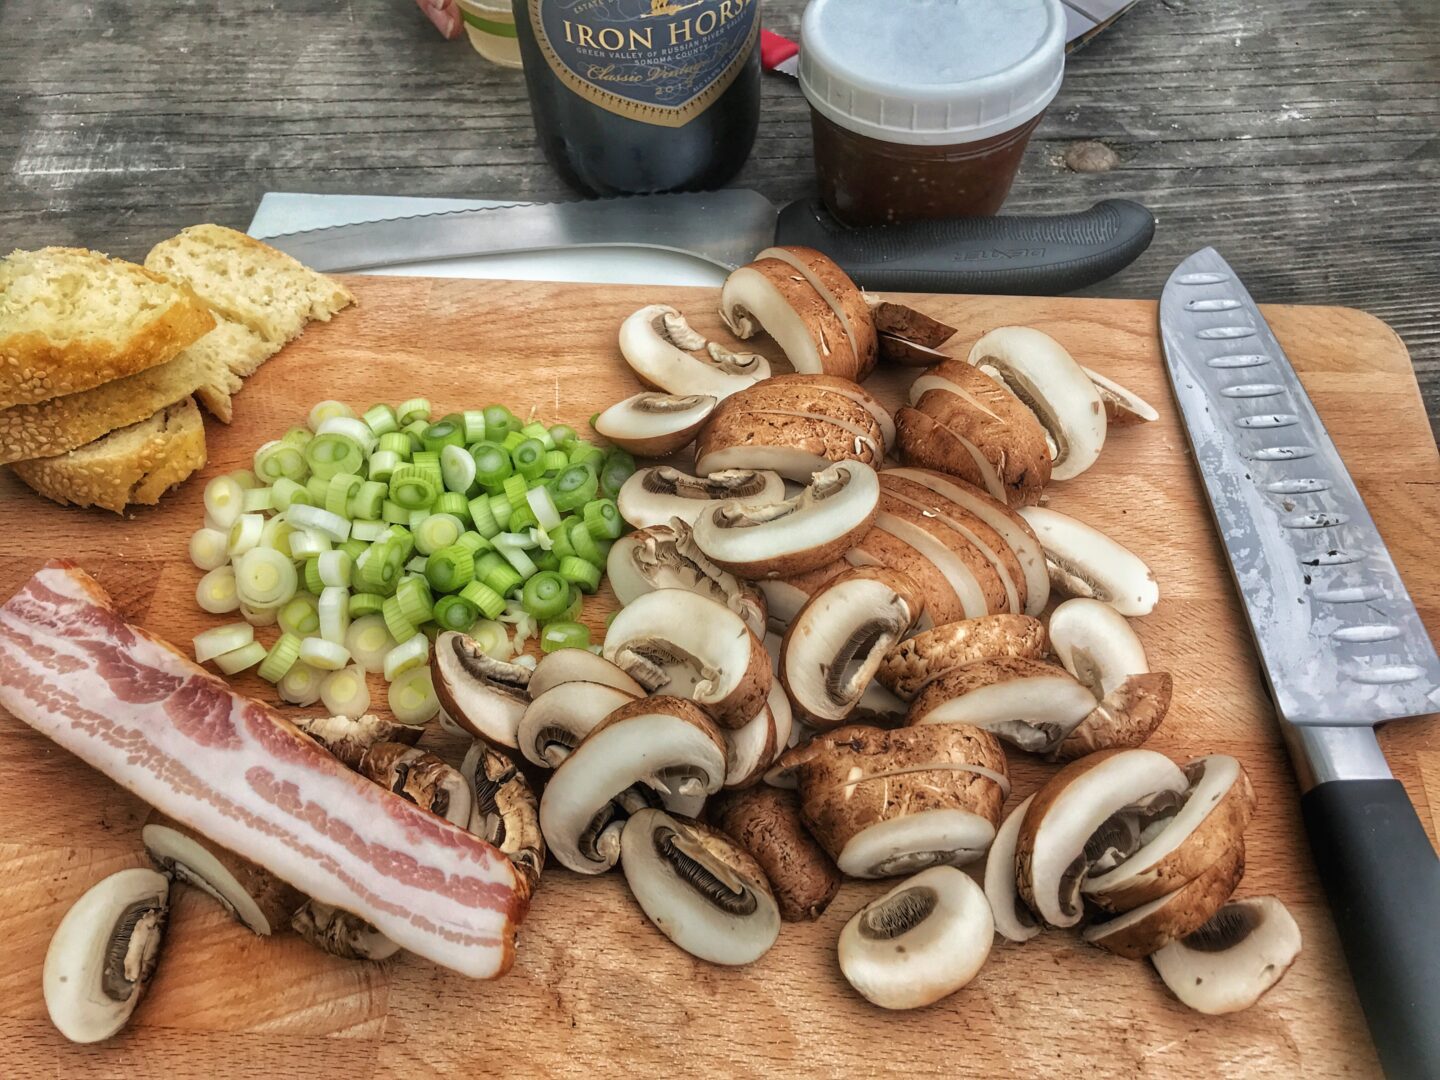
column 1034, row 255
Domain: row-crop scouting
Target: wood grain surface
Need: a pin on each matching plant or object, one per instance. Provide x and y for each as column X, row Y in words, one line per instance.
column 596, row 989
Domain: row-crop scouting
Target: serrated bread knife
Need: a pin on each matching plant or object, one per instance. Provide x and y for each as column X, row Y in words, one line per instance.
column 1341, row 643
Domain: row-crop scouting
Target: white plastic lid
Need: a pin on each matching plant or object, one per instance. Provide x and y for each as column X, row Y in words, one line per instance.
column 931, row 72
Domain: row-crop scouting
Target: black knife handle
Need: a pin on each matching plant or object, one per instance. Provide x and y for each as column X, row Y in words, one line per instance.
column 1383, row 880
column 1031, row 255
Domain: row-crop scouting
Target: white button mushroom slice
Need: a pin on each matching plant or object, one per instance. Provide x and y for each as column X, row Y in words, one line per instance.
column 918, row 661
column 504, row 811
column 784, row 597
column 1143, row 930
column 253, row 896
column 1085, row 562
column 1231, row 961
column 884, row 803
column 653, row 425
column 1051, row 859
column 1037, row 369
column 421, row 778
column 658, row 343
column 660, row 493
column 1029, row 703
column 770, row 295
column 348, row 737
column 1013, row 528
column 843, row 295
column 666, row 557
column 765, row 821
column 1096, row 644
column 701, row 890
column 103, row 953
column 1178, row 846
column 1013, row 920
column 636, row 744
column 558, row 720
column 341, row 933
column 802, row 533
column 479, row 695
column 1122, row 406
column 830, row 384
column 705, row 649
column 1126, row 717
column 837, row 640
column 922, row 941
column 579, row 665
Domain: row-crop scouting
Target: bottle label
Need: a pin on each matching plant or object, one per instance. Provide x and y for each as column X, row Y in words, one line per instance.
column 659, row 61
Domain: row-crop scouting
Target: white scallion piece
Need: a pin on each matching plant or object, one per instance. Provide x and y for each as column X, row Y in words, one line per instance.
column 301, row 684
column 412, row 697
column 344, row 692
column 335, row 568
column 354, row 429
column 404, row 657
column 207, row 549
column 323, row 654
column 334, row 613
column 308, row 543
column 247, row 656
column 417, row 565
column 277, row 535
column 258, row 499
column 542, row 504
column 369, row 642
column 368, row 531
column 457, row 469
column 245, row 534
column 216, row 592
column 325, row 410
column 331, row 525
column 259, row 616
column 265, row 578
column 493, row 639
column 222, row 639
column 224, row 501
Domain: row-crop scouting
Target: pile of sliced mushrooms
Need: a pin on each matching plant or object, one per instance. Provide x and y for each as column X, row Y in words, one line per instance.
column 833, row 632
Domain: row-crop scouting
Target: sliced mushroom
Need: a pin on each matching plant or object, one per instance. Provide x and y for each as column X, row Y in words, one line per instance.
column 878, row 707
column 915, row 663
column 340, row 933
column 765, row 821
column 504, row 811
column 1031, row 704
column 844, row 297
column 348, row 737
column 820, row 385
column 421, row 778
column 656, row 495
column 1051, row 857
column 667, row 557
column 881, row 547
column 700, row 889
column 1125, row 717
column 752, row 749
column 1218, row 805
column 972, row 575
column 103, row 953
column 1122, row 406
column 479, row 696
column 1096, row 644
column 784, row 597
column 835, row 643
column 658, row 344
column 884, row 803
column 579, row 665
column 922, row 941
column 771, row 295
column 1150, row 927
column 1037, row 369
column 705, row 650
column 1085, row 562
column 1013, row 920
column 802, row 533
column 1231, row 961
column 905, row 322
column 256, row 898
column 660, row 742
column 654, row 425
column 897, row 350
column 558, row 720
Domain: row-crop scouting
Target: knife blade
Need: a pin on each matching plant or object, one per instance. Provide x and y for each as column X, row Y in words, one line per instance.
column 1042, row 254
column 1339, row 639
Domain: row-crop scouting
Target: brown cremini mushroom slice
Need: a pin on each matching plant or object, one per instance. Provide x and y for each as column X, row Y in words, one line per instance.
column 1031, row 704
column 659, row 346
column 922, row 941
column 341, row 933
column 658, row 494
column 1096, row 644
column 664, row 743
column 899, row 351
column 421, row 778
column 504, row 811
column 916, row 662
column 1013, row 920
column 752, row 749
column 1085, row 562
column 667, row 557
column 815, row 387
column 558, row 720
column 837, row 640
column 1122, row 406
column 884, row 803
column 700, row 889
column 479, row 696
column 1180, row 845
column 974, row 570
column 1230, row 962
column 908, row 324
column 784, row 597
column 650, row 424
column 348, row 737
column 1061, row 835
column 879, row 708
column 765, row 821
column 103, row 953
column 704, row 649
column 773, row 296
column 844, row 297
column 802, row 533
column 1126, row 717
column 1036, row 368
column 881, row 547
column 579, row 665
column 1150, row 927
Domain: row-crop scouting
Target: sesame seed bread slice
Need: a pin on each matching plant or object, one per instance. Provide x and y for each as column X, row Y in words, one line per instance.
column 232, row 352
column 72, row 319
column 133, row 466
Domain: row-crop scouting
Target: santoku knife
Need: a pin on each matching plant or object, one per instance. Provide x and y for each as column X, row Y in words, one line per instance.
column 1340, row 641
column 1041, row 255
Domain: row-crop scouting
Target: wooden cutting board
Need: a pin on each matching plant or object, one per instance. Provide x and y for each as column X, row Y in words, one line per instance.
column 596, row 989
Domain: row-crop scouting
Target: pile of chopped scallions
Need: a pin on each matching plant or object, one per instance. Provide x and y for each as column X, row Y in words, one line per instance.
column 363, row 537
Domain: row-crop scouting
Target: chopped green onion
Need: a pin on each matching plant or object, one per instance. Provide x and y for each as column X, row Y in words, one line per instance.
column 515, row 488
column 563, row 435
column 574, row 487
column 382, row 420
column 546, row 595
column 603, row 520
column 500, row 509
column 457, row 469
column 344, row 693
column 414, row 410
column 277, row 534
column 401, row 628
column 499, row 422
column 555, row 460
column 393, row 513
column 454, row 612
column 317, row 487
column 383, row 464
column 412, row 697
column 367, row 501
column 413, row 431
column 576, row 605
column 356, row 430
column 619, row 467
column 258, row 616
column 215, row 642
column 323, row 654
column 492, row 465
column 451, row 568
column 369, row 640
column 224, row 501
column 473, row 421
column 366, row 531
column 538, row 431
column 342, row 487
column 589, row 455
column 490, row 601
column 300, row 685
column 327, row 522
column 406, row 657
column 311, row 576
column 441, row 434
column 582, row 572
column 560, row 545
column 584, row 543
column 529, row 459
column 280, row 659
column 247, row 656
column 452, row 502
column 334, row 613
column 333, row 453
column 298, row 436
column 357, row 546
column 379, row 572
column 516, row 557
column 395, row 442
column 492, row 638
column 414, row 599
column 512, row 440
column 258, row 499
column 564, row 635
column 401, row 535
column 245, row 534
column 287, row 492
column 474, row 543
column 482, row 517
column 245, row 478
column 542, row 505
column 364, row 603
column 412, row 488
column 522, row 517
column 324, row 410
column 335, row 568
column 308, row 543
column 437, row 531
column 301, row 615
column 276, row 459
column 546, row 560
column 207, row 549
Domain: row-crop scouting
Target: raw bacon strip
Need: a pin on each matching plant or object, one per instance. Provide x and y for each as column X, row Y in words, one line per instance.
column 235, row 770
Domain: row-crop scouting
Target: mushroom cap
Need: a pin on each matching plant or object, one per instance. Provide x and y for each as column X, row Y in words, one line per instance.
column 1231, row 961
column 971, row 576
column 1122, row 406
column 706, row 651
column 913, row 326
column 817, row 386
column 922, row 941
column 1029, row 703
column 482, row 696
column 765, row 821
column 1013, row 920
column 649, row 424
column 656, row 342
column 504, row 811
column 881, row 547
column 558, row 720
column 844, row 297
column 348, row 737
column 916, row 662
column 341, row 933
column 579, row 665
column 658, row 494
column 421, row 778
column 1083, row 561
column 103, row 953
column 772, row 295
column 1125, row 717
column 927, row 443
column 784, row 597
column 1096, row 644
column 753, row 748
column 700, row 889
column 636, row 743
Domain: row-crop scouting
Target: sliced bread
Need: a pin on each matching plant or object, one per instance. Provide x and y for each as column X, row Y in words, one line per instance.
column 72, row 319
column 232, row 352
column 132, row 466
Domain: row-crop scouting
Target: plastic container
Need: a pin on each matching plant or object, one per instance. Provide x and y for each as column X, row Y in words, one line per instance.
column 491, row 26
column 923, row 108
